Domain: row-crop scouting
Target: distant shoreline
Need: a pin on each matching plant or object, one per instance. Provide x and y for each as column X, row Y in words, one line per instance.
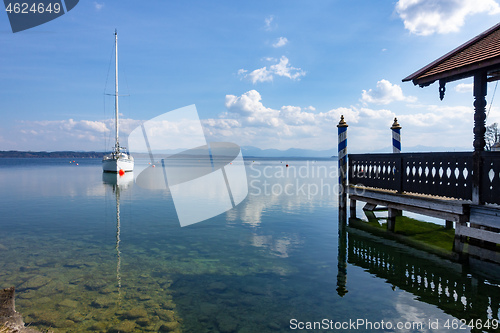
column 53, row 154
column 94, row 154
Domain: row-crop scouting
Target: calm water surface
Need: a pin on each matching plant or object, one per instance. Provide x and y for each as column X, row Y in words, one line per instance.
column 88, row 253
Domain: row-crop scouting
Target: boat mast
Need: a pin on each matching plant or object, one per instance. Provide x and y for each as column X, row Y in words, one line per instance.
column 117, row 146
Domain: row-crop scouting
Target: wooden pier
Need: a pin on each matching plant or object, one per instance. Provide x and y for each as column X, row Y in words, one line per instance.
column 432, row 184
column 462, row 188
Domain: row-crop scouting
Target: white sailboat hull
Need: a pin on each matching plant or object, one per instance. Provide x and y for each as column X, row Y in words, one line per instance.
column 112, row 164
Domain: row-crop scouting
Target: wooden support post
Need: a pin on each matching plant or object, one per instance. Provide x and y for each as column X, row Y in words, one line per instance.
column 459, row 245
column 449, row 224
column 480, row 90
column 352, row 211
column 391, row 218
column 342, row 157
column 369, row 207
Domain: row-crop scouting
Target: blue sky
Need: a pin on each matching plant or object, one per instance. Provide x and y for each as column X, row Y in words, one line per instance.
column 271, row 74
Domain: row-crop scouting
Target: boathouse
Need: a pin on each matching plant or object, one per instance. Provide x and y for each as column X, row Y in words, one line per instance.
column 462, row 188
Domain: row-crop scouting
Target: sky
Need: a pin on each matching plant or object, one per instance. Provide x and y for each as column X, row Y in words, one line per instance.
column 269, row 74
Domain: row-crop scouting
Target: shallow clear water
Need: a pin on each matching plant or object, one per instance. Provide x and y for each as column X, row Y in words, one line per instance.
column 271, row 264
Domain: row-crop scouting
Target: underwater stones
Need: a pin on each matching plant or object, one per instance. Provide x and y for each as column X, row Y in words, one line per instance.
column 74, row 264
column 208, row 309
column 125, row 326
column 254, row 290
column 226, row 323
column 217, row 286
column 99, row 326
column 102, row 302
column 69, row 303
column 274, row 326
column 35, row 282
column 95, row 284
column 47, row 318
column 142, row 321
column 76, row 317
column 169, row 327
column 107, row 290
column 169, row 305
column 167, row 315
column 135, row 313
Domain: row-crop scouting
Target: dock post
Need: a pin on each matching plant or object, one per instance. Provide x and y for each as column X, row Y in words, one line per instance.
column 396, row 136
column 342, row 156
column 391, row 218
column 352, row 206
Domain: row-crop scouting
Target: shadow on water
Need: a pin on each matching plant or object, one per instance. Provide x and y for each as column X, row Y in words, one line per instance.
column 455, row 288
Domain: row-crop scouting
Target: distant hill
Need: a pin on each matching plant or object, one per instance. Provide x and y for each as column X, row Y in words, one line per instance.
column 52, row 154
column 420, row 149
column 249, row 151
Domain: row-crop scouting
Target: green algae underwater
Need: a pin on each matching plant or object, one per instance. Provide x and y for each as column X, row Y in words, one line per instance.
column 78, row 266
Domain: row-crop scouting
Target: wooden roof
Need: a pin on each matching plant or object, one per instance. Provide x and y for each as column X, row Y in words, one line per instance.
column 481, row 53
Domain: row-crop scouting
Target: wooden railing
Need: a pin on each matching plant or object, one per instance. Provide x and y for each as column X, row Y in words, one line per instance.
column 491, row 177
column 439, row 174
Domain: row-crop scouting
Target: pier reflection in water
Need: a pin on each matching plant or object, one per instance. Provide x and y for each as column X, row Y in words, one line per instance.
column 450, row 286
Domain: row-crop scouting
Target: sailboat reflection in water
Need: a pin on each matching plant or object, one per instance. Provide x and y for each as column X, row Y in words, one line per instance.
column 118, row 183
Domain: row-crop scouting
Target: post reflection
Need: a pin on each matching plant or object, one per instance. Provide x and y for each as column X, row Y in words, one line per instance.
column 118, row 183
column 443, row 283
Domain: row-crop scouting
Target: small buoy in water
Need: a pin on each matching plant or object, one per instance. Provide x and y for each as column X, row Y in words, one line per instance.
column 69, row 161
column 121, row 172
column 73, row 161
column 76, row 163
column 287, row 165
column 153, row 165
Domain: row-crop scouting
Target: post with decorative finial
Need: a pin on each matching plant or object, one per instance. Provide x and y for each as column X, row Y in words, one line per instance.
column 342, row 156
column 396, row 136
column 396, row 149
column 342, row 241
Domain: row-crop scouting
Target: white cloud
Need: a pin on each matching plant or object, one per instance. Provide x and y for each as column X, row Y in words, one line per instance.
column 282, row 41
column 259, row 75
column 281, row 68
column 68, row 134
column 385, row 93
column 426, row 17
column 249, row 122
column 98, row 6
column 464, row 87
column 269, row 22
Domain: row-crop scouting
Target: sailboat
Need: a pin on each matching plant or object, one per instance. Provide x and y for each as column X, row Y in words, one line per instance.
column 118, row 161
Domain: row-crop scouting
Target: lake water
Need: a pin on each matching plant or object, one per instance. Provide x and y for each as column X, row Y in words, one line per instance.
column 88, row 253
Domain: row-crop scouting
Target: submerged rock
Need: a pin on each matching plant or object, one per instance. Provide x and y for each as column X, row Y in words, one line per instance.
column 135, row 313
column 35, row 282
column 226, row 323
column 169, row 327
column 10, row 320
column 125, row 326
